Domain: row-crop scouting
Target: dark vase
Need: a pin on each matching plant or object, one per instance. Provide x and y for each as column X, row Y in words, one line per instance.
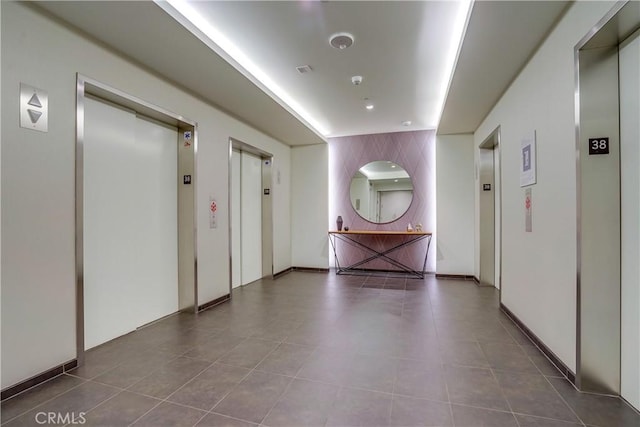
column 339, row 223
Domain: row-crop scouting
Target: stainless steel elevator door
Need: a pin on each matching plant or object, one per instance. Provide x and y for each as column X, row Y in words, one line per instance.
column 130, row 221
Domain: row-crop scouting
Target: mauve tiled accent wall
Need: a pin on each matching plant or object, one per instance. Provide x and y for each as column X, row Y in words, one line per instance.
column 415, row 152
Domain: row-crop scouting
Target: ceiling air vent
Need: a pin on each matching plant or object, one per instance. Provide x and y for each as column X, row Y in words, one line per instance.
column 303, row 69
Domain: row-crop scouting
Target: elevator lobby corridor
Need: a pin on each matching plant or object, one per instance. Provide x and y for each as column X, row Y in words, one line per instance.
column 324, row 350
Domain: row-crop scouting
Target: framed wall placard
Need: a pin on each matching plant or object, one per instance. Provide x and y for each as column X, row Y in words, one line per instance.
column 528, row 160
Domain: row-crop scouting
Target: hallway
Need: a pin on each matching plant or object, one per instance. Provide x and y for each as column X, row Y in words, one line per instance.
column 320, row 349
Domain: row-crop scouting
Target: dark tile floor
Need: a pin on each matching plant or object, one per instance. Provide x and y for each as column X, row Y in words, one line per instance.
column 324, row 350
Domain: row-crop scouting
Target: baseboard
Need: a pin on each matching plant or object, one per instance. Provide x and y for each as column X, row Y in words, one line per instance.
column 283, row 272
column 38, row 379
column 311, row 269
column 564, row 369
column 455, row 276
column 374, row 271
column 214, row 302
column 303, row 269
column 475, row 279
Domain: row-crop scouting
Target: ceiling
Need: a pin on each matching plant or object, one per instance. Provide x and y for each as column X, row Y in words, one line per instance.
column 396, row 48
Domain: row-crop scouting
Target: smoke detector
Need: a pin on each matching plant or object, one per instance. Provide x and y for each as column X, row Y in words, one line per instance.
column 356, row 80
column 341, row 40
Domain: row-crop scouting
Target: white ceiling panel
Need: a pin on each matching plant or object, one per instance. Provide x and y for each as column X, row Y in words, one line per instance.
column 399, row 49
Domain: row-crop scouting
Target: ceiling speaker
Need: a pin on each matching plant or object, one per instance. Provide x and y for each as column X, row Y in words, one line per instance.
column 341, row 40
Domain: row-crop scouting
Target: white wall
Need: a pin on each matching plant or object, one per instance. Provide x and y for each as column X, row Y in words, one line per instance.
column 455, row 204
column 630, row 224
column 539, row 268
column 38, row 196
column 309, row 207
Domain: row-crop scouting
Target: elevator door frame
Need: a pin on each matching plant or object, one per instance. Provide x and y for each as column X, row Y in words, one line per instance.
column 490, row 210
column 187, row 289
column 598, row 367
column 267, row 208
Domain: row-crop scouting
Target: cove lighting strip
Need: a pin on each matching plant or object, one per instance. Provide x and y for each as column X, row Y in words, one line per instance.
column 457, row 34
column 191, row 19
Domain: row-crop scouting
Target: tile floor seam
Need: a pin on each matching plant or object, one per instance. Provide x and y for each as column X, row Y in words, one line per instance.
column 249, row 373
column 276, row 402
column 340, row 388
column 349, row 386
column 89, row 379
column 549, row 382
column 502, row 392
column 564, row 400
column 513, row 414
column 155, row 398
column 206, row 414
column 93, row 379
column 103, row 402
column 166, row 399
column 522, row 414
column 446, row 383
column 532, row 415
column 143, row 415
column 390, row 413
column 128, row 388
column 42, row 403
column 212, row 412
column 159, row 399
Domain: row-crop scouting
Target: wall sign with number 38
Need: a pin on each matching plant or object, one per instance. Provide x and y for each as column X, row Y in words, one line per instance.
column 598, row 146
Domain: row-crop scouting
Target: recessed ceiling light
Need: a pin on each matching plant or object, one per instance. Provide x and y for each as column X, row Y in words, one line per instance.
column 341, row 40
column 369, row 107
column 406, row 123
column 395, row 180
column 393, row 166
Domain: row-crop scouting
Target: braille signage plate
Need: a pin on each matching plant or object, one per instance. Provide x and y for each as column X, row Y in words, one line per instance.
column 598, row 146
column 186, row 179
column 486, row 187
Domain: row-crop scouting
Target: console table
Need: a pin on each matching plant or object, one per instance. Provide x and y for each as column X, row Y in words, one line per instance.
column 394, row 241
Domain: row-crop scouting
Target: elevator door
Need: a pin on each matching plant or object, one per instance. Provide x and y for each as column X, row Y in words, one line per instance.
column 236, row 220
column 629, row 70
column 130, row 221
column 487, row 218
column 246, row 226
column 389, row 201
column 251, row 196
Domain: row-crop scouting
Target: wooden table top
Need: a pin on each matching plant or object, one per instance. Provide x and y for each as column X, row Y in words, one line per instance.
column 382, row 233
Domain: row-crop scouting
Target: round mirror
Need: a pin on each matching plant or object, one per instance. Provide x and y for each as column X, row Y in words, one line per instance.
column 381, row 191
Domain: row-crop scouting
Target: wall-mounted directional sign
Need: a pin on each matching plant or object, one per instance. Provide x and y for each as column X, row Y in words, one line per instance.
column 34, row 108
